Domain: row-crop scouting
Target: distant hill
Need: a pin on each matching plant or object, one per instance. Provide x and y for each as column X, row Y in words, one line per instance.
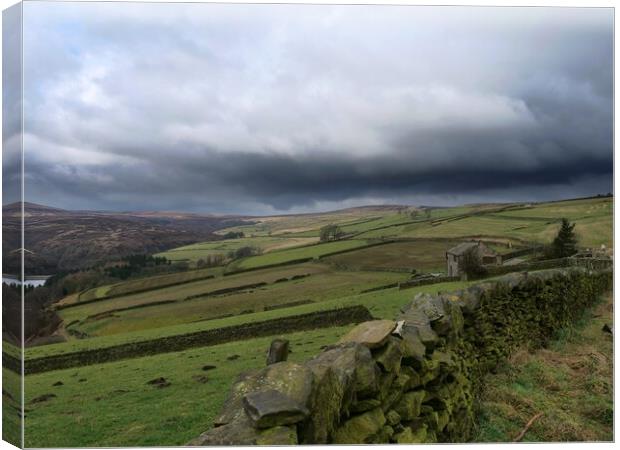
column 62, row 239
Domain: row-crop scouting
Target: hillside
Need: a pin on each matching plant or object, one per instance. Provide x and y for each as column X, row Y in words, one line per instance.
column 58, row 239
column 154, row 326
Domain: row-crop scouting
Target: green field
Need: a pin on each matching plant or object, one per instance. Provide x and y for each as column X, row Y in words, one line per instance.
column 423, row 256
column 203, row 250
column 114, row 405
column 181, row 292
column 299, row 225
column 315, row 288
column 143, row 284
column 11, row 411
column 383, row 303
column 538, row 223
column 284, row 256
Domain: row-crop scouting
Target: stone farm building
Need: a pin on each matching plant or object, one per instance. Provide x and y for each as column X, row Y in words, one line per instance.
column 454, row 256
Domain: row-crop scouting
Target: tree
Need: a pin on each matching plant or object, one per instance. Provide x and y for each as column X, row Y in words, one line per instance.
column 471, row 264
column 331, row 232
column 565, row 243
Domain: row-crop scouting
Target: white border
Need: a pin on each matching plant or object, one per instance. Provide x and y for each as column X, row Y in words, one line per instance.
column 558, row 3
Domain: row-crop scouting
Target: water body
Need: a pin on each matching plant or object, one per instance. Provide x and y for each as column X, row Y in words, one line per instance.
column 35, row 281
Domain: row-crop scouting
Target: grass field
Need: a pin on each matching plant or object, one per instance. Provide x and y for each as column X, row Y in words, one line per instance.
column 11, row 411
column 181, row 292
column 202, row 250
column 539, row 223
column 382, row 304
column 142, row 284
column 284, row 256
column 570, row 382
column 427, row 255
column 308, row 223
column 315, row 288
column 113, row 404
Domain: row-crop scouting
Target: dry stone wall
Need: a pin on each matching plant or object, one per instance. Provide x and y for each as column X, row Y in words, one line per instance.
column 412, row 380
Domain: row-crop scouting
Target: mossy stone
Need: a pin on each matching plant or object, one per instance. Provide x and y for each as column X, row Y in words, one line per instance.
column 360, row 429
column 364, row 405
column 389, row 356
column 281, row 435
column 409, row 405
column 392, row 417
column 372, row 334
column 293, row 380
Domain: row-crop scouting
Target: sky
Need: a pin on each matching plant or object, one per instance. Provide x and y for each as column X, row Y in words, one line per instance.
column 262, row 109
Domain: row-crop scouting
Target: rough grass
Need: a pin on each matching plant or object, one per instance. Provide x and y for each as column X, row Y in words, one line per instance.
column 11, row 411
column 570, row 382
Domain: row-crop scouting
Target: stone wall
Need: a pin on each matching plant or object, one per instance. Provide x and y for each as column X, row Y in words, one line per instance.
column 215, row 336
column 412, row 380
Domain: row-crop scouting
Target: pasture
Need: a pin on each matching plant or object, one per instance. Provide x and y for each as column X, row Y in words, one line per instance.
column 183, row 291
column 264, row 244
column 142, row 284
column 314, row 288
column 112, row 404
column 285, row 256
column 537, row 223
column 421, row 255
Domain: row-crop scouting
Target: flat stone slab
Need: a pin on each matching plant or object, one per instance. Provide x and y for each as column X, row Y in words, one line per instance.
column 292, row 380
column 372, row 334
column 272, row 408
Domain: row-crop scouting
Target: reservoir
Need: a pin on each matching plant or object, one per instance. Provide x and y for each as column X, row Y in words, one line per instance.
column 31, row 280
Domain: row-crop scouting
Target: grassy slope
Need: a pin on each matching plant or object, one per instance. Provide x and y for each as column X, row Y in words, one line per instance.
column 380, row 303
column 195, row 252
column 538, row 223
column 114, row 405
column 570, row 382
column 140, row 284
column 283, row 256
column 422, row 256
column 182, row 291
column 11, row 411
column 306, row 225
column 121, row 409
column 316, row 288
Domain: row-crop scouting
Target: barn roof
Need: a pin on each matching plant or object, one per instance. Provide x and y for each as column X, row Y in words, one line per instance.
column 462, row 248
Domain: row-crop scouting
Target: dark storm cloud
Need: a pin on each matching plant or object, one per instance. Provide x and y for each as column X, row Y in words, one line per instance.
column 225, row 108
column 11, row 104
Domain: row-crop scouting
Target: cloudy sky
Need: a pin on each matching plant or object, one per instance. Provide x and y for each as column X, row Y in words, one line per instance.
column 286, row 108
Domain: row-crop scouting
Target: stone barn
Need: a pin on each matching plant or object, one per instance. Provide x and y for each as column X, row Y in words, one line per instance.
column 454, row 256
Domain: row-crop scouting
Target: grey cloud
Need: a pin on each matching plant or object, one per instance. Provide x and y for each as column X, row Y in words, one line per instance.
column 275, row 108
